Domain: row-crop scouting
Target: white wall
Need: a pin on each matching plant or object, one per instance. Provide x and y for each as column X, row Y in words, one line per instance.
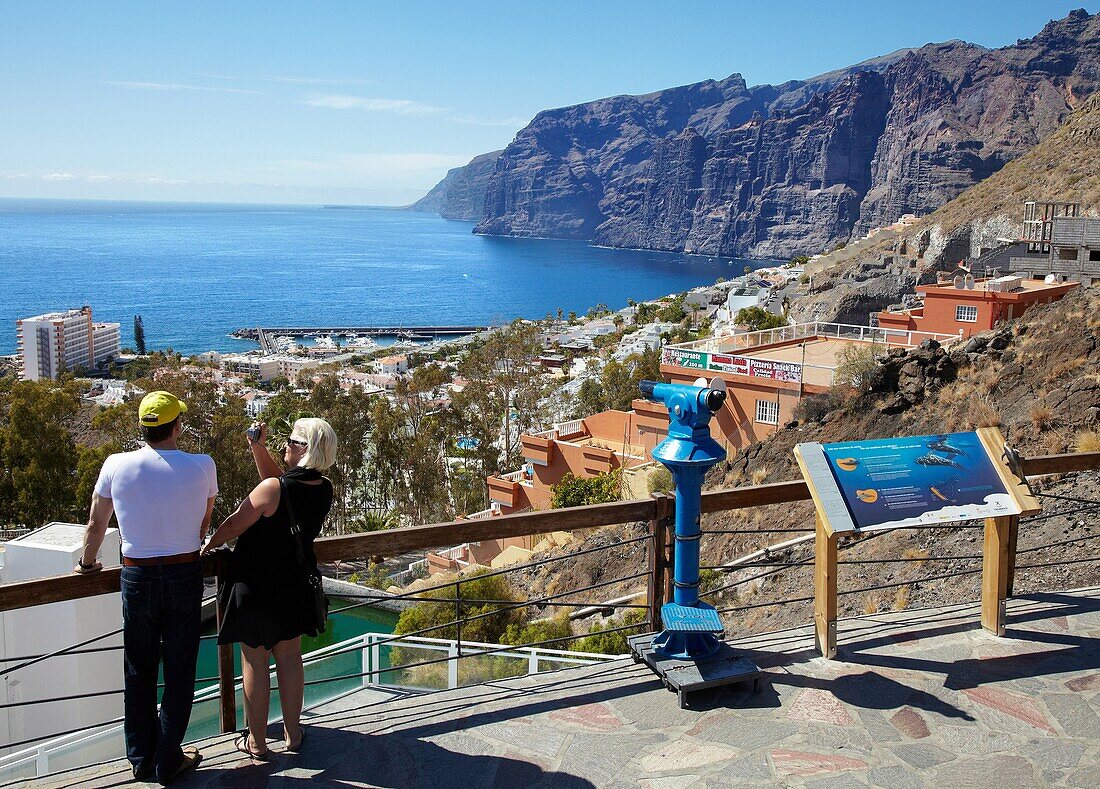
column 54, row 550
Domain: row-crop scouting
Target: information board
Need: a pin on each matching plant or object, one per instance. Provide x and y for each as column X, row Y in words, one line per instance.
column 910, row 481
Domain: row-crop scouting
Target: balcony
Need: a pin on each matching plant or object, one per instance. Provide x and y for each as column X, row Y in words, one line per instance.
column 800, row 354
column 946, row 695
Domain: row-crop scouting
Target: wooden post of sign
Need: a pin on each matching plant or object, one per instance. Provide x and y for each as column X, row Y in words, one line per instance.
column 997, row 562
column 1013, row 533
column 824, row 590
column 227, row 683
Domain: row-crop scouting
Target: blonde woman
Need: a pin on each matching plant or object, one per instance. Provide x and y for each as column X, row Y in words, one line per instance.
column 269, row 605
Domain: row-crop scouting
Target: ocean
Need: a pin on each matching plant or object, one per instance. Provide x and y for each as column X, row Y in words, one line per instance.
column 196, row 272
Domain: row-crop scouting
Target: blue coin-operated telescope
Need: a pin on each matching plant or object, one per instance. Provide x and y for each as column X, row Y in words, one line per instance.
column 691, row 627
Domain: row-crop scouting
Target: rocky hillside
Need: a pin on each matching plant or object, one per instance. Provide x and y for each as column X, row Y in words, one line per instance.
column 1037, row 380
column 1064, row 166
column 461, row 193
column 719, row 167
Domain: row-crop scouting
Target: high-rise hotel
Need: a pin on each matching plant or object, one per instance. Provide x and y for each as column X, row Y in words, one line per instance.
column 55, row 342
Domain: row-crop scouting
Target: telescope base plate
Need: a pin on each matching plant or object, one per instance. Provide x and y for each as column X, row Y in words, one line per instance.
column 724, row 667
column 699, row 618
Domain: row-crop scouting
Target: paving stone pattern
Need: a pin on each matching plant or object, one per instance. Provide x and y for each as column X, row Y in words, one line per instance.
column 923, row 698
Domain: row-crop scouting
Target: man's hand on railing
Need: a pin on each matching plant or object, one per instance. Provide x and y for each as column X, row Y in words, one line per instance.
column 87, row 569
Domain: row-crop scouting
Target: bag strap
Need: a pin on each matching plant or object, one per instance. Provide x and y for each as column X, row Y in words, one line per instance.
column 294, row 530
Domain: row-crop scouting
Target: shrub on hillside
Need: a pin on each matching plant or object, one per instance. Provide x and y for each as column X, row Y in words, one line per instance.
column 575, row 491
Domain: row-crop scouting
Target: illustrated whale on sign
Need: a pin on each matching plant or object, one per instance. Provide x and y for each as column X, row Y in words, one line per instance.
column 932, row 459
column 940, row 445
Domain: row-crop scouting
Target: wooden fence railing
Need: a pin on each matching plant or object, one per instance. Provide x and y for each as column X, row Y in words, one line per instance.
column 394, row 542
column 657, row 511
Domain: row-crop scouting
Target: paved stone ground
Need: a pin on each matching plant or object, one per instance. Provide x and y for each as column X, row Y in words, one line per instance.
column 921, row 698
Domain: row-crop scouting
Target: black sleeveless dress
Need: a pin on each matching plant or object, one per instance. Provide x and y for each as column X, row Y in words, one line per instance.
column 266, row 599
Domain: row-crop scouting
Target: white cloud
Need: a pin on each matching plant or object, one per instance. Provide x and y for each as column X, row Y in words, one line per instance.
column 98, row 178
column 321, row 80
column 170, row 181
column 16, row 176
column 165, row 86
column 395, row 106
column 59, row 177
column 515, row 122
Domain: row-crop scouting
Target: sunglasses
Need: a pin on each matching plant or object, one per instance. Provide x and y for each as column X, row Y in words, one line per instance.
column 296, row 443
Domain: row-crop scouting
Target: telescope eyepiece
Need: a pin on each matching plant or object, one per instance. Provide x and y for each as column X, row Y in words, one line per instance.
column 714, row 399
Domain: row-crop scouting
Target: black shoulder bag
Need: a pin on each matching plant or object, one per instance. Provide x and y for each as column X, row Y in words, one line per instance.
column 313, row 576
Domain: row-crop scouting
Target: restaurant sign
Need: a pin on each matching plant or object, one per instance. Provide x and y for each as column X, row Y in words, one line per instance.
column 678, row 357
column 751, row 367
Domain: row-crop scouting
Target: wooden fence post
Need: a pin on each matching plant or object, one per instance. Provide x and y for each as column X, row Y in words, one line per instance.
column 824, row 590
column 997, row 569
column 658, row 582
column 227, row 684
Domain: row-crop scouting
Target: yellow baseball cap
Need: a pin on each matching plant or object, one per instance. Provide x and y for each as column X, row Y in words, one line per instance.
column 160, row 408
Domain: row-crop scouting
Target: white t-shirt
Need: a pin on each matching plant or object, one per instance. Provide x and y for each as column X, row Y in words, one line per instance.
column 159, row 497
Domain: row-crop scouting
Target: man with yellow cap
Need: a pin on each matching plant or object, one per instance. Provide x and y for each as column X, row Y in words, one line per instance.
column 162, row 498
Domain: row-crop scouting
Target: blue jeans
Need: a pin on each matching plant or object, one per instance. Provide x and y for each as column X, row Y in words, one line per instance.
column 161, row 617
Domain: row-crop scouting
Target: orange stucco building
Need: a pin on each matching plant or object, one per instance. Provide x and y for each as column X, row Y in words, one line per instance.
column 950, row 309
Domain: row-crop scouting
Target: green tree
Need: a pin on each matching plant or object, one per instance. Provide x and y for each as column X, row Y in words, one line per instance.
column 505, row 386
column 757, row 318
column 38, row 456
column 573, row 491
column 139, row 335
column 494, row 595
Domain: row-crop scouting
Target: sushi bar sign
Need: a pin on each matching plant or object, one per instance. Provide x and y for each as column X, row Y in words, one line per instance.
column 738, row 365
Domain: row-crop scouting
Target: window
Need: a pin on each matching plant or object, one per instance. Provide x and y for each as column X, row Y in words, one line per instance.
column 966, row 313
column 767, row 412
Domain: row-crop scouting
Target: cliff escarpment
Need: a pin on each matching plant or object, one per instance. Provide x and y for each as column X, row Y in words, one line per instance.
column 722, row 168
column 461, row 193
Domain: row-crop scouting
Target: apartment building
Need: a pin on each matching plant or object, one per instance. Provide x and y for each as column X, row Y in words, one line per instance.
column 56, row 342
column 968, row 306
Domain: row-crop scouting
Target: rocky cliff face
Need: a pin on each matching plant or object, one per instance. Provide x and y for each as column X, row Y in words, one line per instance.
column 461, row 194
column 726, row 169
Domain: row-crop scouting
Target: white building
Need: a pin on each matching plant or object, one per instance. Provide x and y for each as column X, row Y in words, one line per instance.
column 54, row 550
column 393, row 365
column 56, row 342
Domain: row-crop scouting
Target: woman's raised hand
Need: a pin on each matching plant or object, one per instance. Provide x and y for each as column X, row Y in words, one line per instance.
column 257, row 434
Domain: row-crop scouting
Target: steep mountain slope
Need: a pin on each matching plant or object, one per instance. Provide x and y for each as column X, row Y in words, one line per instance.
column 1037, row 380
column 1064, row 166
column 461, row 193
column 724, row 168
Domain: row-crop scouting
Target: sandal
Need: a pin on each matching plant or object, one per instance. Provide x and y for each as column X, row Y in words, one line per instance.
column 191, row 759
column 241, row 744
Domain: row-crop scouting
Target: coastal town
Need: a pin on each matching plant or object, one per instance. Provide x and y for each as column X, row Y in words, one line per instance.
column 741, row 331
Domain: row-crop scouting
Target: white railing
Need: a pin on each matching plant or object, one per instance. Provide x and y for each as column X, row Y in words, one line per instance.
column 473, row 516
column 552, row 433
column 374, row 663
column 512, row 476
column 800, row 331
column 570, row 428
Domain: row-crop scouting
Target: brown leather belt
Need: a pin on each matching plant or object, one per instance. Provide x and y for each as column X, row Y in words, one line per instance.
column 156, row 561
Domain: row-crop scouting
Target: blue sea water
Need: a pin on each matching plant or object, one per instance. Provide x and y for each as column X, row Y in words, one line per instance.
column 196, row 272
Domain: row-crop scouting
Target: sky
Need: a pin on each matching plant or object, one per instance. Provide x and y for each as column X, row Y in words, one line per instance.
column 371, row 103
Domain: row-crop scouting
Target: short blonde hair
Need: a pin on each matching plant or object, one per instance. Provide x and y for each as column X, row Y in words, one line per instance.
column 321, row 439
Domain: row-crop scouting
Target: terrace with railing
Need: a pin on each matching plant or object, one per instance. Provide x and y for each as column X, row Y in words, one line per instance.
column 913, row 696
column 803, row 353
